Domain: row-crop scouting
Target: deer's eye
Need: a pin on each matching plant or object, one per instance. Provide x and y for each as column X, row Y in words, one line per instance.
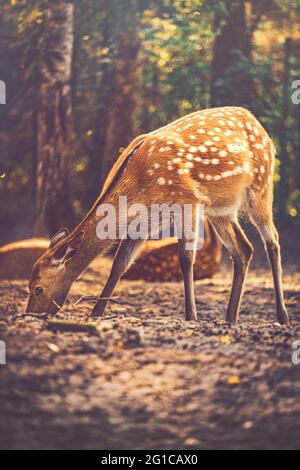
column 38, row 291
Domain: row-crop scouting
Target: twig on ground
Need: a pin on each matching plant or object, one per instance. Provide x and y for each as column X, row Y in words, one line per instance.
column 42, row 316
column 67, row 325
column 74, row 326
column 149, row 290
column 92, row 298
column 64, row 325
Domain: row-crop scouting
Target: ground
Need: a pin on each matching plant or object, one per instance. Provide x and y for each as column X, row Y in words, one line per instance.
column 150, row 380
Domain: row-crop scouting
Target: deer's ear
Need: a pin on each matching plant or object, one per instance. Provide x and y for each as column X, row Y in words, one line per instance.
column 60, row 235
column 69, row 249
column 75, row 243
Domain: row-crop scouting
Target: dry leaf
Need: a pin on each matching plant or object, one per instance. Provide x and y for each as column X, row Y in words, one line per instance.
column 53, row 347
column 233, row 380
column 192, row 442
column 225, row 339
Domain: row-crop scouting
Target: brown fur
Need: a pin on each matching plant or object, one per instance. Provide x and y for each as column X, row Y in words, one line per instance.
column 158, row 261
column 17, row 258
column 222, row 158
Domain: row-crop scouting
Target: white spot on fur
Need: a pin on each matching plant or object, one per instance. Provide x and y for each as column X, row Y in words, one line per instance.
column 246, row 167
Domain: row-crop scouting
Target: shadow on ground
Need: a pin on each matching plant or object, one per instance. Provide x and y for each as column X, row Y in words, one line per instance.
column 151, row 380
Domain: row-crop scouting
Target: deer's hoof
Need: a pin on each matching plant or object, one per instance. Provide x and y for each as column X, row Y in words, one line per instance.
column 98, row 310
column 283, row 317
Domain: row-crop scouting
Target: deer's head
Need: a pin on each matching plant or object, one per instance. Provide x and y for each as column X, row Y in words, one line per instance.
column 51, row 277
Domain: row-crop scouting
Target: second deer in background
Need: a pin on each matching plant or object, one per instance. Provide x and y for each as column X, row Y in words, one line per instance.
column 158, row 260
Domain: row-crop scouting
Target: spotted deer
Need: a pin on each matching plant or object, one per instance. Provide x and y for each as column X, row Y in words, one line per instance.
column 158, row 259
column 221, row 158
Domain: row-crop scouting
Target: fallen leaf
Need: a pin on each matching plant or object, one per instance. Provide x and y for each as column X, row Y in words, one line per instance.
column 225, row 339
column 191, row 442
column 53, row 347
column 247, row 425
column 233, row 380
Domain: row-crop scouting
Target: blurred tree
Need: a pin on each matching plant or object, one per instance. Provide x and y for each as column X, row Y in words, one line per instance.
column 122, row 108
column 54, row 127
column 104, row 95
column 283, row 186
column 182, row 61
column 232, row 81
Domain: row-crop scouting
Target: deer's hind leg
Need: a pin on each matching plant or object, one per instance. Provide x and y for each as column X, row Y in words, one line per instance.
column 241, row 251
column 261, row 214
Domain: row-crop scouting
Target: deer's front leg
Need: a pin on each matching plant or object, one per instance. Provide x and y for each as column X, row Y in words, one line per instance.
column 187, row 259
column 125, row 255
column 187, row 247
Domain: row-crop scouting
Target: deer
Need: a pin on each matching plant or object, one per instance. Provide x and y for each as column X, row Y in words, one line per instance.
column 158, row 259
column 221, row 158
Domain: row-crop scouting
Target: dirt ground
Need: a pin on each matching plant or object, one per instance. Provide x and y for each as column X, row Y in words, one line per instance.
column 151, row 380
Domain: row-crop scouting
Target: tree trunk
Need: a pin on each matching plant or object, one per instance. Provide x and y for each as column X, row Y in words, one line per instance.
column 231, row 81
column 282, row 194
column 120, row 128
column 102, row 119
column 55, row 123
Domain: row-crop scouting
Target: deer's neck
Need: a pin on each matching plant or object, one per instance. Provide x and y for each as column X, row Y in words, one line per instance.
column 91, row 246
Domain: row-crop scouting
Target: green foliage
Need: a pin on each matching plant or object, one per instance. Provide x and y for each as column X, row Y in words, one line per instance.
column 177, row 40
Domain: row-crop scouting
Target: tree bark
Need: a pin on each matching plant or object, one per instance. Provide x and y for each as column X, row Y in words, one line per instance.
column 120, row 126
column 231, row 81
column 55, row 123
column 282, row 194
